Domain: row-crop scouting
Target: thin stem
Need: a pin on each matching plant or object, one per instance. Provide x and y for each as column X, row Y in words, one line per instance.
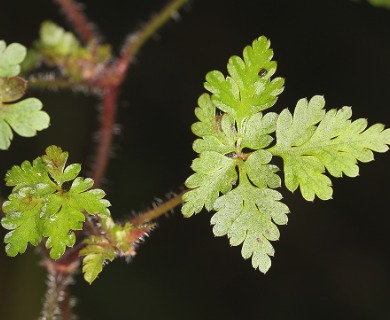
column 116, row 77
column 158, row 211
column 49, row 82
column 79, row 21
column 102, row 155
column 137, row 40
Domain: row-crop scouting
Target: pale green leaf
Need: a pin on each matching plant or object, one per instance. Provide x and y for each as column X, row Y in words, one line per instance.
column 24, row 117
column 55, row 38
column 257, row 130
column 214, row 174
column 247, row 215
column 311, row 141
column 11, row 57
column 260, row 172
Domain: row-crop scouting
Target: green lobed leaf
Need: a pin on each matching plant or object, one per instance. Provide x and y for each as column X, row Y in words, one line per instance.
column 248, row 89
column 25, row 228
column 97, row 251
column 233, row 173
column 40, row 207
column 311, row 141
column 247, row 215
column 119, row 240
column 24, row 117
column 214, row 173
column 11, row 57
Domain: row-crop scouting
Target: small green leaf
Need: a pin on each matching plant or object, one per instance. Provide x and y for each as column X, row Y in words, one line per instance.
column 57, row 39
column 260, row 172
column 24, row 117
column 97, row 251
column 11, row 57
column 257, row 130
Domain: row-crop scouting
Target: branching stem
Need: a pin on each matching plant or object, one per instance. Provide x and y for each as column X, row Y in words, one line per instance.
column 111, row 84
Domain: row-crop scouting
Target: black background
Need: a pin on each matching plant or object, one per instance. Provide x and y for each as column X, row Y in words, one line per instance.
column 333, row 259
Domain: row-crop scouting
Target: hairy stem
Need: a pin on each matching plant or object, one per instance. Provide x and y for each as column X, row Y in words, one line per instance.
column 102, row 155
column 49, row 82
column 136, row 40
column 158, row 211
column 79, row 21
column 57, row 303
column 111, row 86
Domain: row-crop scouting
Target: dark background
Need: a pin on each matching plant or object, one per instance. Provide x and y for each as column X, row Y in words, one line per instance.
column 333, row 259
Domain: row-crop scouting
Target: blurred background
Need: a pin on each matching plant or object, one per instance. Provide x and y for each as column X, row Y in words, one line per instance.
column 333, row 259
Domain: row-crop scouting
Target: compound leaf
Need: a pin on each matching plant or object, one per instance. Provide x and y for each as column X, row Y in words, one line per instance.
column 39, row 206
column 233, row 173
column 311, row 141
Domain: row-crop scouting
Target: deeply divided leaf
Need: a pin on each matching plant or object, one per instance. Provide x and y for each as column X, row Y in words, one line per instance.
column 247, row 215
column 248, row 89
column 39, row 206
column 233, row 174
column 312, row 140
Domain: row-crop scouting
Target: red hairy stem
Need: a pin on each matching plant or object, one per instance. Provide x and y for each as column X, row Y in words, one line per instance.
column 102, row 154
column 79, row 21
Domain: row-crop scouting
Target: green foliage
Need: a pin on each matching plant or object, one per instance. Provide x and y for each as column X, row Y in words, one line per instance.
column 23, row 116
column 11, row 57
column 118, row 240
column 59, row 48
column 335, row 144
column 96, row 252
column 42, row 205
column 234, row 175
